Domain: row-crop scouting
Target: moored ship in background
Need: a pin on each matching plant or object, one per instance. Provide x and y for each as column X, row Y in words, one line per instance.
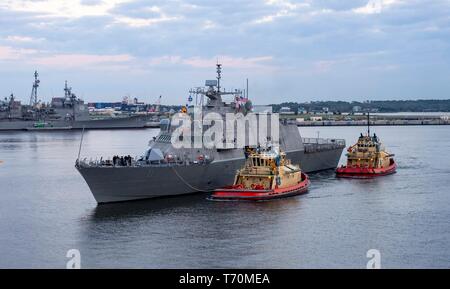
column 64, row 113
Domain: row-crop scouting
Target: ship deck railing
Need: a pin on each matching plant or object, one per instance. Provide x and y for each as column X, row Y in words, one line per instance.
column 322, row 144
column 136, row 162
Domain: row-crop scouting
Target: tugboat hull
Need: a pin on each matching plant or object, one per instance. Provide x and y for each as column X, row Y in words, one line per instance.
column 365, row 173
column 233, row 193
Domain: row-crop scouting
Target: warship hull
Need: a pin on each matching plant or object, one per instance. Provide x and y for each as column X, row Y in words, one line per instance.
column 118, row 184
column 166, row 170
column 107, row 123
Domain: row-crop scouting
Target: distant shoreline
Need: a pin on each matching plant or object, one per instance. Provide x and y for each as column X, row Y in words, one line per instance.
column 376, row 119
column 403, row 123
column 413, row 113
column 376, row 106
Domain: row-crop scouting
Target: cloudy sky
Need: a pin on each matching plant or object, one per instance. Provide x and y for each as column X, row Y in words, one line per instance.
column 290, row 50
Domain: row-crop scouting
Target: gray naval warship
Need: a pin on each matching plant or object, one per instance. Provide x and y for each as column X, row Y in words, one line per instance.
column 63, row 113
column 164, row 170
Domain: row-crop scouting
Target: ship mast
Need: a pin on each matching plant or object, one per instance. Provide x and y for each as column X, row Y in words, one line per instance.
column 215, row 96
column 219, row 76
column 368, row 123
column 68, row 94
column 71, row 96
column 66, row 89
column 246, row 95
column 33, row 98
column 10, row 104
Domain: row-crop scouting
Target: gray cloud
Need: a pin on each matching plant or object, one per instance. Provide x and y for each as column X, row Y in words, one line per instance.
column 291, row 50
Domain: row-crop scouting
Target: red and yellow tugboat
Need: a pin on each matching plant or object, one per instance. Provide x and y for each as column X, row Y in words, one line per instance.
column 367, row 158
column 267, row 174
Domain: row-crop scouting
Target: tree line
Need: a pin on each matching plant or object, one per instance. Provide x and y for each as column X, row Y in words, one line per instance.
column 421, row 105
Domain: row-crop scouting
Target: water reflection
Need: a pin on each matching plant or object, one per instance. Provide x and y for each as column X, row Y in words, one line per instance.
column 124, row 210
column 160, row 206
column 201, row 232
column 47, row 208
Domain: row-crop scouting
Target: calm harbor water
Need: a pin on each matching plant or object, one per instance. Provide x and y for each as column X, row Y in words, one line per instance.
column 46, row 209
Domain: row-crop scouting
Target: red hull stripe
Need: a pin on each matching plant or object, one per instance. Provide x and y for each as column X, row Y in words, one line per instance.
column 365, row 172
column 228, row 194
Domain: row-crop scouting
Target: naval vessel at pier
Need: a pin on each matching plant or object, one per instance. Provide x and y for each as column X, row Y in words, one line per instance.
column 164, row 170
column 63, row 113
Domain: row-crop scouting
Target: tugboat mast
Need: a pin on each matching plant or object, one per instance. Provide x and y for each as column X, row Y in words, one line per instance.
column 33, row 98
column 368, row 123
